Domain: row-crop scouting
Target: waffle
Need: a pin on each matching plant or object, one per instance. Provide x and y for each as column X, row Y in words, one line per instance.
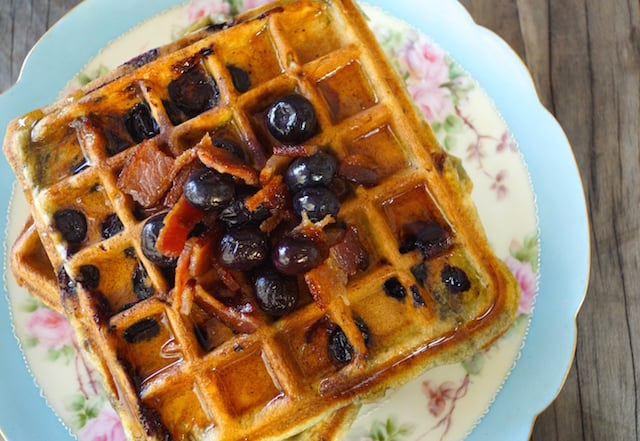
column 33, row 271
column 403, row 278
column 32, row 268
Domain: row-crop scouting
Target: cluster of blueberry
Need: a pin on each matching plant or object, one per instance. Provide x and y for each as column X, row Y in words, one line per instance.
column 243, row 246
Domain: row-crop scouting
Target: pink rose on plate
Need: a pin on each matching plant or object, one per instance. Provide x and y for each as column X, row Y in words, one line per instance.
column 526, row 278
column 197, row 10
column 428, row 71
column 250, row 4
column 51, row 329
column 105, row 427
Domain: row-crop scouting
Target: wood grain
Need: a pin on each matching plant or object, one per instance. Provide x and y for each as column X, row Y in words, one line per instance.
column 584, row 56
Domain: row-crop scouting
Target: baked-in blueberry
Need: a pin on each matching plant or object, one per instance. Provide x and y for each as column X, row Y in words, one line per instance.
column 339, row 346
column 192, row 93
column 111, row 226
column 89, row 277
column 393, row 288
column 143, row 330
column 142, row 287
column 72, row 224
column 140, row 123
column 240, row 78
column 455, row 279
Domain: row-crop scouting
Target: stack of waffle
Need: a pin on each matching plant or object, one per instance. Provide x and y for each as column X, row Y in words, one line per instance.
column 335, row 253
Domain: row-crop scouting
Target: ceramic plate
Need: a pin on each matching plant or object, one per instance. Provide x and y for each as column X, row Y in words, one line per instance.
column 482, row 105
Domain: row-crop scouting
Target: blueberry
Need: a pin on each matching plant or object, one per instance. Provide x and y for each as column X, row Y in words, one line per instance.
column 237, row 213
column 364, row 330
column 317, row 202
column 318, row 169
column 144, row 58
column 393, row 288
column 89, row 277
column 275, row 293
column 417, row 297
column 72, row 225
column 66, row 284
column 143, row 330
column 208, row 190
column 192, row 93
column 111, row 226
column 142, row 288
column 148, row 239
column 428, row 237
column 292, row 119
column 295, row 256
column 140, row 123
column 455, row 279
column 243, row 248
column 129, row 252
column 230, row 146
column 339, row 346
column 420, row 273
column 240, row 78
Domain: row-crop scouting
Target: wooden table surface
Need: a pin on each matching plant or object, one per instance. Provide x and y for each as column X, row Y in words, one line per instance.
column 584, row 58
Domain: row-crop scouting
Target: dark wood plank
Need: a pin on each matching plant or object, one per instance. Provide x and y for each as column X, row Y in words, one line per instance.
column 22, row 23
column 584, row 56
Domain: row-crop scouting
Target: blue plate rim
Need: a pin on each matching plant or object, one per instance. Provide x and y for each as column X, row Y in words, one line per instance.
column 562, row 210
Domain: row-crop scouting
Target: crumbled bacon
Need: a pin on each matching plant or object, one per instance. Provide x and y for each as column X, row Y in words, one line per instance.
column 325, row 282
column 295, row 151
column 176, row 190
column 194, row 261
column 273, row 195
column 349, row 253
column 178, row 223
column 226, row 276
column 275, row 165
column 224, row 162
column 237, row 312
column 183, row 275
column 272, row 222
column 147, row 174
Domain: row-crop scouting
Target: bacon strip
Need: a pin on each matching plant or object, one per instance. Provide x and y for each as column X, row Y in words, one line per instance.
column 349, row 253
column 295, row 151
column 224, row 162
column 147, row 174
column 177, row 225
column 273, row 195
column 194, row 261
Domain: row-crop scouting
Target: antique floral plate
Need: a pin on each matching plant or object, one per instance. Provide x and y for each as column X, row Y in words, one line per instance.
column 482, row 105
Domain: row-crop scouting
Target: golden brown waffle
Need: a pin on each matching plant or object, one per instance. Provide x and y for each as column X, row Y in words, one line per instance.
column 32, row 268
column 407, row 281
column 34, row 272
